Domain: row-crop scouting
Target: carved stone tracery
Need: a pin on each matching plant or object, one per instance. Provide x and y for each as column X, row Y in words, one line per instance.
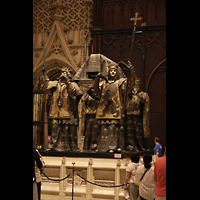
column 76, row 14
column 68, row 22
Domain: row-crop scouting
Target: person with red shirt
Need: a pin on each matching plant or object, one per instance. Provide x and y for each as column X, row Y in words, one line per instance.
column 160, row 177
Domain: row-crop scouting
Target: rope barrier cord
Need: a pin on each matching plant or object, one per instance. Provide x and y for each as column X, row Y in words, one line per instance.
column 99, row 185
column 56, row 179
column 83, row 179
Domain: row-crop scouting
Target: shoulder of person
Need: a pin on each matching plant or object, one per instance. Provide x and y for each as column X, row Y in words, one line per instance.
column 140, row 168
column 102, row 83
column 152, row 168
column 121, row 80
column 52, row 84
column 158, row 145
column 139, row 164
column 130, row 166
column 74, row 84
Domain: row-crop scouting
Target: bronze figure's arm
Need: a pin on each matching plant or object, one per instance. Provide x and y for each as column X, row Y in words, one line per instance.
column 72, row 88
column 95, row 90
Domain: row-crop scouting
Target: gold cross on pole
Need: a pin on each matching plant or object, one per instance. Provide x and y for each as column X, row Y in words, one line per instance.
column 135, row 19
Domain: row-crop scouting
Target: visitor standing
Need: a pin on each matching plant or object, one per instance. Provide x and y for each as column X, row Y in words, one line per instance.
column 157, row 148
column 130, row 176
column 160, row 177
column 145, row 173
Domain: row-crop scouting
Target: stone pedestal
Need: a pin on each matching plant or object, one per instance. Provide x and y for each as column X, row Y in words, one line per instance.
column 103, row 171
column 100, row 168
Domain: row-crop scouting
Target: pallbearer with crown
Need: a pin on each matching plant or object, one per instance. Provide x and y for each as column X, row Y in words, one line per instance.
column 63, row 112
column 109, row 113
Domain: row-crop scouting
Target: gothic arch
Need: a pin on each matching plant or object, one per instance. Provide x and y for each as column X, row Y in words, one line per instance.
column 53, row 66
column 52, row 62
column 153, row 72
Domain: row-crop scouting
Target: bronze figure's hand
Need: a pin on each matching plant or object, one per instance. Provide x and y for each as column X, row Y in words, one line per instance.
column 100, row 75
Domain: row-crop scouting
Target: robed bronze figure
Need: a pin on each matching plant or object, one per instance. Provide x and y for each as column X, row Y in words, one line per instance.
column 90, row 126
column 137, row 117
column 63, row 110
column 111, row 93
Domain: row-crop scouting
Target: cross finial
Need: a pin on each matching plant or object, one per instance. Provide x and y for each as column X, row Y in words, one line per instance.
column 136, row 18
column 57, row 6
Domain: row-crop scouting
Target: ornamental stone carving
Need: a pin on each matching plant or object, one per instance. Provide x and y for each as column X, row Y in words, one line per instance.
column 66, row 25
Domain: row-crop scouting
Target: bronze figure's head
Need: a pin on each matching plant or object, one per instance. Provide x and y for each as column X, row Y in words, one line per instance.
column 113, row 71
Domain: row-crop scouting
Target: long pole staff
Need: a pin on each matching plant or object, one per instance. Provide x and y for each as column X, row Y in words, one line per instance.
column 131, row 74
column 132, row 42
column 135, row 19
column 45, row 101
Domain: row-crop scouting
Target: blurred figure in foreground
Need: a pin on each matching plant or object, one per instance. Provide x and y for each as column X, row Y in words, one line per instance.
column 145, row 173
column 160, row 177
column 36, row 159
column 130, row 176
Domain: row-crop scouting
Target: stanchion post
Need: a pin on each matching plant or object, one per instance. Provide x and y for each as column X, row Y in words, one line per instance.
column 62, row 175
column 73, row 181
column 117, row 179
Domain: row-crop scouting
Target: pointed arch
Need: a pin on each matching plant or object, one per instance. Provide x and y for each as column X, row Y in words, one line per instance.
column 53, row 62
column 153, row 72
column 65, row 59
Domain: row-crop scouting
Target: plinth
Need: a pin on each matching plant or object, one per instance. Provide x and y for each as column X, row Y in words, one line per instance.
column 107, row 169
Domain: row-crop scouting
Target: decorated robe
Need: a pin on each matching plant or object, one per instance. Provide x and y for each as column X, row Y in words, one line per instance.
column 110, row 94
column 63, row 111
column 137, row 119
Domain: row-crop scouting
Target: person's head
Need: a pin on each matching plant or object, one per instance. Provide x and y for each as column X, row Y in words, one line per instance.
column 135, row 157
column 147, row 158
column 112, row 70
column 65, row 72
column 136, row 87
column 156, row 139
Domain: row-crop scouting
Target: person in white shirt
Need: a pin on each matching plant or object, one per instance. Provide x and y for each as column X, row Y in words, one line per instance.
column 147, row 184
column 130, row 176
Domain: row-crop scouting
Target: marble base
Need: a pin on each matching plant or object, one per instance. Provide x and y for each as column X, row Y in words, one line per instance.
column 100, row 168
column 104, row 171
